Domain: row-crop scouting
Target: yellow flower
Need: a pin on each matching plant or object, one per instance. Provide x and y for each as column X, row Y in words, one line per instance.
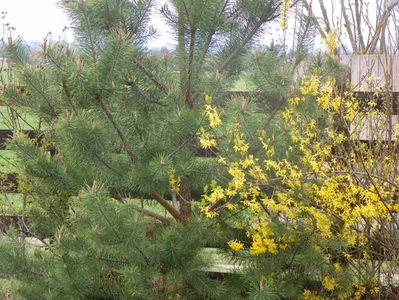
column 310, row 86
column 235, row 245
column 294, row 101
column 230, row 206
column 360, row 291
column 238, row 178
column 375, row 290
column 213, row 116
column 309, row 295
column 331, row 42
column 257, row 247
column 209, row 213
column 324, row 99
column 206, row 140
column 221, row 160
column 329, row 283
column 270, row 245
column 239, row 224
column 261, row 243
column 337, row 267
column 247, row 162
column 174, row 182
column 216, row 195
column 240, row 146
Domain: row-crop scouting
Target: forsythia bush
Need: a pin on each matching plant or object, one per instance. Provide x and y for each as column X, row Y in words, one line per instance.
column 321, row 222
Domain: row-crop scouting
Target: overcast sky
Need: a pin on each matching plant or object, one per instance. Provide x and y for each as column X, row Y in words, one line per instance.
column 33, row 19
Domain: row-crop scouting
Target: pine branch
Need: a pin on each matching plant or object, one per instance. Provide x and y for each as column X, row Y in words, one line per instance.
column 106, row 164
column 151, row 214
column 210, row 35
column 117, row 129
column 89, row 33
column 38, row 90
column 189, row 88
column 325, row 16
column 144, row 96
column 181, row 53
column 161, row 200
column 152, row 77
column 255, row 29
column 143, row 16
column 68, row 95
column 116, row 56
column 117, row 233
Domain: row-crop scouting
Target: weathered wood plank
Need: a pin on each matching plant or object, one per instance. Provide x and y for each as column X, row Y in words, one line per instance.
column 369, row 72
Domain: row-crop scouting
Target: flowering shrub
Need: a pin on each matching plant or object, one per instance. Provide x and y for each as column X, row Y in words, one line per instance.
column 331, row 197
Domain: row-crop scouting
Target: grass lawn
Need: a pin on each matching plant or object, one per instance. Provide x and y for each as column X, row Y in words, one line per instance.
column 25, row 121
column 11, row 203
column 7, row 161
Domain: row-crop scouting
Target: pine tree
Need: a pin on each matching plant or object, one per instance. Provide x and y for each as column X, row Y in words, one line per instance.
column 116, row 123
column 122, row 117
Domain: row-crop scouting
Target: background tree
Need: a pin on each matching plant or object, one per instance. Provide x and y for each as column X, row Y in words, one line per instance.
column 364, row 27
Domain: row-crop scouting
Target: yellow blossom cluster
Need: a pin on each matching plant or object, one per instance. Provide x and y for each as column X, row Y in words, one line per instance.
column 310, row 86
column 174, row 182
column 211, row 113
column 235, row 245
column 310, row 295
column 206, row 139
column 329, row 283
column 328, row 184
column 331, row 41
column 262, row 240
column 239, row 144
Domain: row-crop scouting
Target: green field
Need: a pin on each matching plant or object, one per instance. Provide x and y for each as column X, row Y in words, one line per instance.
column 7, row 161
column 11, row 203
column 22, row 120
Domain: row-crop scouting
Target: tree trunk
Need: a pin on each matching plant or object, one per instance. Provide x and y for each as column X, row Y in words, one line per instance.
column 185, row 200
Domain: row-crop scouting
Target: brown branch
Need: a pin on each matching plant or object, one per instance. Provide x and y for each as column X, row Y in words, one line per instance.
column 151, row 214
column 381, row 26
column 314, row 19
column 359, row 24
column 325, row 16
column 348, row 27
column 161, row 200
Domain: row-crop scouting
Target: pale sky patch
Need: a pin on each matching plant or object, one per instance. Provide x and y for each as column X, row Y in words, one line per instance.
column 33, row 19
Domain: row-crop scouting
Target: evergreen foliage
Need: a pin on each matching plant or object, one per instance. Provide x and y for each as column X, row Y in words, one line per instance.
column 117, row 123
column 105, row 250
column 114, row 113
